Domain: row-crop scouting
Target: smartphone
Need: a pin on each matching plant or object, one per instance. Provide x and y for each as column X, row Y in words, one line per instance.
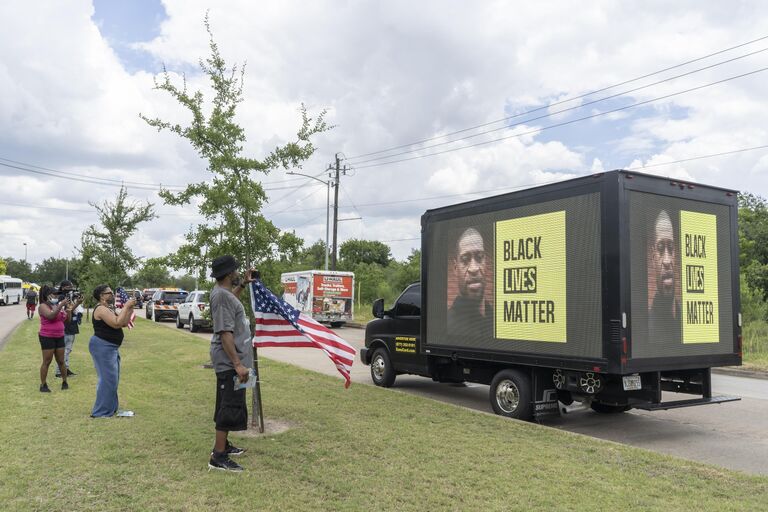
column 255, row 274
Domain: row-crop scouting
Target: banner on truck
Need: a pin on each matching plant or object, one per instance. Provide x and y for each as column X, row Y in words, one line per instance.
column 531, row 279
column 523, row 279
column 680, row 288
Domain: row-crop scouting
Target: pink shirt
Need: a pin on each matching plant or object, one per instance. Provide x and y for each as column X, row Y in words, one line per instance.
column 53, row 328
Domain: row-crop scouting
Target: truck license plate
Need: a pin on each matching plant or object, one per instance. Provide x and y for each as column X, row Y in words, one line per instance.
column 632, row 382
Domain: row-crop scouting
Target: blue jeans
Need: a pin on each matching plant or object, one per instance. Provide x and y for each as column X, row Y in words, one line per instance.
column 106, row 360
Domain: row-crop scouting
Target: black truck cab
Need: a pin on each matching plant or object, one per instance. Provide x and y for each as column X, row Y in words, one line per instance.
column 393, row 340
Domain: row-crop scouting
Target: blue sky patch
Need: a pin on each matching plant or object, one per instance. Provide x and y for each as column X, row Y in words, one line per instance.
column 125, row 23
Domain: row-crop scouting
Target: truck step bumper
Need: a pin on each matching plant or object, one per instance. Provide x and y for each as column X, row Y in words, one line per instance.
column 677, row 404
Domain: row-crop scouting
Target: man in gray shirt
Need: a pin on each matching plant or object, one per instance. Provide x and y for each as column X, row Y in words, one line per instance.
column 231, row 356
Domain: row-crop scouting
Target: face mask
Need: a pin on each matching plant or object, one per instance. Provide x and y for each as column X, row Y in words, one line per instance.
column 54, row 301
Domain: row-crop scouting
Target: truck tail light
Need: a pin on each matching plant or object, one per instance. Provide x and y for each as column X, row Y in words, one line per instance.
column 738, row 345
column 201, row 307
column 623, row 350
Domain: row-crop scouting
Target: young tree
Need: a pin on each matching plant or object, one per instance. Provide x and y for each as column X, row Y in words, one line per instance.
column 105, row 256
column 230, row 202
column 3, row 266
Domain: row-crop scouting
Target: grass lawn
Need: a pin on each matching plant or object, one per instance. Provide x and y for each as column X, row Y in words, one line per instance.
column 755, row 345
column 364, row 448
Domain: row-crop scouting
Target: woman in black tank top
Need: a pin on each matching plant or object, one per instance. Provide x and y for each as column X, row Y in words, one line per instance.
column 104, row 345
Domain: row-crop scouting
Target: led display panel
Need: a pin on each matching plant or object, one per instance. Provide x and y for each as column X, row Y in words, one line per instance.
column 521, row 279
column 680, row 272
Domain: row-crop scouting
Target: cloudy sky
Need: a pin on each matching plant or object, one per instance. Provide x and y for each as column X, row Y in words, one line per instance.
column 494, row 94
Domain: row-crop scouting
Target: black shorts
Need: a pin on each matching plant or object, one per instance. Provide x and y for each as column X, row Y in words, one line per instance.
column 231, row 412
column 47, row 343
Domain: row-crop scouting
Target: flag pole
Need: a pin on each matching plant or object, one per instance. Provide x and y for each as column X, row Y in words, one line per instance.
column 257, row 418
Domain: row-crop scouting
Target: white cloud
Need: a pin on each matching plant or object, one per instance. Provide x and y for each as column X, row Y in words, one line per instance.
column 389, row 74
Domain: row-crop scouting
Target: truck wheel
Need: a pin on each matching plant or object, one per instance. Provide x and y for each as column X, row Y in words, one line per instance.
column 192, row 326
column 608, row 408
column 146, row 313
column 510, row 394
column 336, row 325
column 154, row 316
column 382, row 372
column 179, row 325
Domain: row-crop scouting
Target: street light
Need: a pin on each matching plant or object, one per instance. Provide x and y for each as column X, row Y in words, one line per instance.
column 25, row 252
column 327, row 208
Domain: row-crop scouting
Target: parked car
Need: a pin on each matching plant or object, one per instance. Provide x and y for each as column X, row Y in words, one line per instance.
column 164, row 303
column 193, row 311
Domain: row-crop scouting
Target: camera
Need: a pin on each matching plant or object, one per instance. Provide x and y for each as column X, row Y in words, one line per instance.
column 72, row 295
column 255, row 274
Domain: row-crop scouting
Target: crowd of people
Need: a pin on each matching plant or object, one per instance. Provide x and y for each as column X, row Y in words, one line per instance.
column 60, row 310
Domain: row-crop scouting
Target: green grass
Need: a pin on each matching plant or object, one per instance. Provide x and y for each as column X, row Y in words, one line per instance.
column 363, row 448
column 755, row 345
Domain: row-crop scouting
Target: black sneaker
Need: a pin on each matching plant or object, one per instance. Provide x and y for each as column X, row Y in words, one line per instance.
column 44, row 388
column 224, row 463
column 57, row 375
column 70, row 373
column 234, row 450
column 64, row 385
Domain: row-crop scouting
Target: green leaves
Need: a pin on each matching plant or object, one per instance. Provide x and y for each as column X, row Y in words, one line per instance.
column 230, row 201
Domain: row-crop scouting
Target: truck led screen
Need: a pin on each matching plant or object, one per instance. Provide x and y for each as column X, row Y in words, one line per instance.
column 680, row 264
column 524, row 279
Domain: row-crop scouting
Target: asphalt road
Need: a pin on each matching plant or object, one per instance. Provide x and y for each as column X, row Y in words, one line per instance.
column 732, row 435
column 10, row 317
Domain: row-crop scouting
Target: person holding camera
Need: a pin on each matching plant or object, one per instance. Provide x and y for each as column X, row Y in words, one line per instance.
column 104, row 348
column 71, row 326
column 54, row 312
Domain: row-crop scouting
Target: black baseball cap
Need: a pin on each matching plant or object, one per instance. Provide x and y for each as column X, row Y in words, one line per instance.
column 223, row 265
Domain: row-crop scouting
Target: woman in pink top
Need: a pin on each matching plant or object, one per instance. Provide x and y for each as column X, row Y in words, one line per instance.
column 53, row 313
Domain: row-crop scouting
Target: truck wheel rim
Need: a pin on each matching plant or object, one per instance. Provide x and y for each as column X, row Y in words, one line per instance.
column 378, row 367
column 507, row 396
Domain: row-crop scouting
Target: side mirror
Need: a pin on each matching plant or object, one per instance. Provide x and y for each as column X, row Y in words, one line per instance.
column 378, row 308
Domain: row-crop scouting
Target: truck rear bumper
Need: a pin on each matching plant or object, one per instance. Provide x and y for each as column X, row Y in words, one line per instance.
column 677, row 404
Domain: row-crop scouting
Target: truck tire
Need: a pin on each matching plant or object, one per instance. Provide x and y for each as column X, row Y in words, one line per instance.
column 336, row 325
column 609, row 408
column 146, row 313
column 179, row 325
column 510, row 394
column 382, row 373
column 192, row 326
column 154, row 316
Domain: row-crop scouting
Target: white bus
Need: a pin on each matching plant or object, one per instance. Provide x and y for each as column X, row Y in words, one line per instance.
column 10, row 290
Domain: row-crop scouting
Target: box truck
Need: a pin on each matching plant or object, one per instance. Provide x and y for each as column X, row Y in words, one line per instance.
column 327, row 296
column 607, row 290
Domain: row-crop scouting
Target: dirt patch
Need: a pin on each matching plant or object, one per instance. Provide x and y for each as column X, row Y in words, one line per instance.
column 271, row 427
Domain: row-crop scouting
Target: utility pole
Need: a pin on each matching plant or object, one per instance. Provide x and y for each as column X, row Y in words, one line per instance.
column 335, row 213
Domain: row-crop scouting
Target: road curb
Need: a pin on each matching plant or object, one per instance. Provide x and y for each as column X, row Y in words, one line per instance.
column 740, row 372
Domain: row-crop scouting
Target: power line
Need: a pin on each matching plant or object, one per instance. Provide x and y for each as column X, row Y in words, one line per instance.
column 526, row 185
column 559, row 102
column 551, row 114
column 36, row 169
column 557, row 125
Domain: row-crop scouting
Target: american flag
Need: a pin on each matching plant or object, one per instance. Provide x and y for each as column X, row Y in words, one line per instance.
column 121, row 297
column 278, row 324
